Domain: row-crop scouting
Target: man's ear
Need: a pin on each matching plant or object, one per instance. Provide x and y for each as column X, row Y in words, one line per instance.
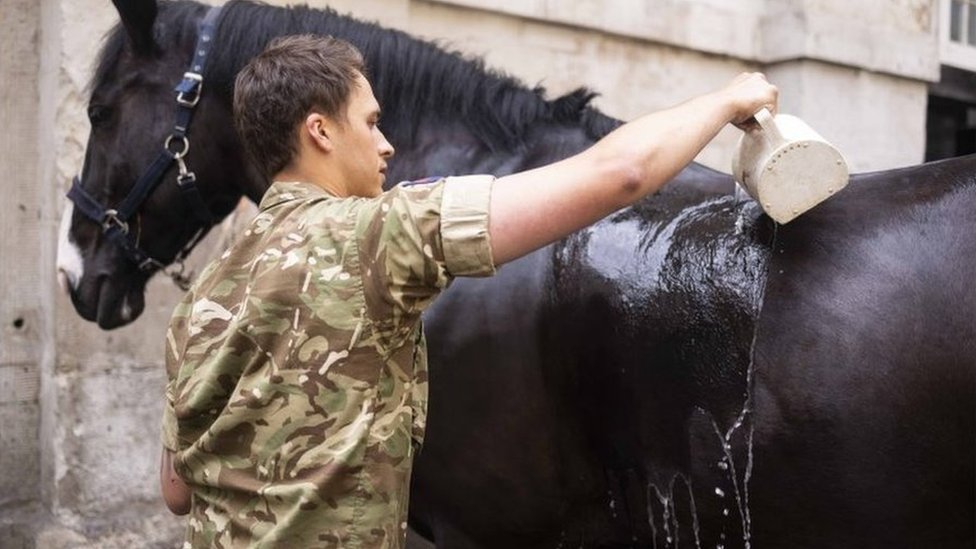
column 319, row 131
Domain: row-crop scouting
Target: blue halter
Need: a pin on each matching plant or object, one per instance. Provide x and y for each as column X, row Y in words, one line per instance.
column 115, row 221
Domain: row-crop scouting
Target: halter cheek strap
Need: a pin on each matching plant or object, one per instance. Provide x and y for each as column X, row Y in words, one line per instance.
column 115, row 221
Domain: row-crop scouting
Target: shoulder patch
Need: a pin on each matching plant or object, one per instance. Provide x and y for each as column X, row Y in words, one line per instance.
column 424, row 181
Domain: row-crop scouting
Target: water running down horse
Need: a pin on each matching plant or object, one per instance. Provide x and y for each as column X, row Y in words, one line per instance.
column 684, row 373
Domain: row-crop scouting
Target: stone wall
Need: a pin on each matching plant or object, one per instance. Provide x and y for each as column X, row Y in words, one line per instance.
column 23, row 324
column 79, row 407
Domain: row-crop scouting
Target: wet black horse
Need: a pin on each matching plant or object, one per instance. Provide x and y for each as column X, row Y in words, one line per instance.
column 684, row 373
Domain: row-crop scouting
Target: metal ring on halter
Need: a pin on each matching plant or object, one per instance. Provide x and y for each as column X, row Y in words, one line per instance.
column 177, row 154
column 110, row 218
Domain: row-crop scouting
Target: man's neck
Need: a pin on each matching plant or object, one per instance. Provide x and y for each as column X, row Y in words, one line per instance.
column 315, row 177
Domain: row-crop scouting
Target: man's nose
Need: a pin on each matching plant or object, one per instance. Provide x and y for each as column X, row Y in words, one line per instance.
column 386, row 149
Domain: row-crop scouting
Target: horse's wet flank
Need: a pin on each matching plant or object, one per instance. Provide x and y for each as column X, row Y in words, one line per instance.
column 584, row 396
column 661, row 305
column 868, row 338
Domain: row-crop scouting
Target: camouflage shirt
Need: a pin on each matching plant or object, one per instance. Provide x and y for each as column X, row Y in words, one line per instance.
column 297, row 364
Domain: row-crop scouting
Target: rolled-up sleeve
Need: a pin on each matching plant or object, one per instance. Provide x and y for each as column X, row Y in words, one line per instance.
column 464, row 225
column 415, row 238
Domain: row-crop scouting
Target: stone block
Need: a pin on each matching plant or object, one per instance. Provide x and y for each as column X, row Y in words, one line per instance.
column 20, row 479
column 852, row 109
column 900, row 39
column 109, row 448
column 389, row 13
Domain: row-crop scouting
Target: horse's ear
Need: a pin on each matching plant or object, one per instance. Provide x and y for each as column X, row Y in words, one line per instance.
column 138, row 17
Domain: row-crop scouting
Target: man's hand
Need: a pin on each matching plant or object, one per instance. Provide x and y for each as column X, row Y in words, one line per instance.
column 747, row 94
column 176, row 493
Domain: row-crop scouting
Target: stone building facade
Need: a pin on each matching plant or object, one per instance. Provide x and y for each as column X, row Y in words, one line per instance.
column 890, row 82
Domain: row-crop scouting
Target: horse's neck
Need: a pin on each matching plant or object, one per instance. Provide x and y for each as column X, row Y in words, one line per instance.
column 447, row 115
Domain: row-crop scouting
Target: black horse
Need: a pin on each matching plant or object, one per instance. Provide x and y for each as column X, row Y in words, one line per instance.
column 684, row 373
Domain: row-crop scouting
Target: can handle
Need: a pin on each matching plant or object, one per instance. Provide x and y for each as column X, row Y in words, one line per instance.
column 769, row 127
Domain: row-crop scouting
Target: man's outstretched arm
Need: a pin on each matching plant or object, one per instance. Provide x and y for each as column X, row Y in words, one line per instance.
column 533, row 208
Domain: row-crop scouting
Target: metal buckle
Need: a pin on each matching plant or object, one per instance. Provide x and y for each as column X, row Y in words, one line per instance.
column 110, row 218
column 147, row 264
column 175, row 272
column 181, row 99
column 186, row 178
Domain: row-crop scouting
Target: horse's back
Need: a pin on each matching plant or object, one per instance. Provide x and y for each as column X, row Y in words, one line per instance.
column 866, row 367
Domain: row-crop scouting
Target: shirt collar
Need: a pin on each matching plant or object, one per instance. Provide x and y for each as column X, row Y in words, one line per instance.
column 284, row 191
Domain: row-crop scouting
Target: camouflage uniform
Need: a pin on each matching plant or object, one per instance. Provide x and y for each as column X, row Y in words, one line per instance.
column 297, row 364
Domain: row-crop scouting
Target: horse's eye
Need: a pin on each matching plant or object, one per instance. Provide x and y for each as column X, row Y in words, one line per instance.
column 98, row 114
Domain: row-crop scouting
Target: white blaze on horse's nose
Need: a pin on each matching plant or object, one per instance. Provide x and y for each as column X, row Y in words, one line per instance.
column 70, row 266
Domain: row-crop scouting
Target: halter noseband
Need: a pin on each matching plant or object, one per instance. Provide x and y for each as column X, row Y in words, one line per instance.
column 115, row 221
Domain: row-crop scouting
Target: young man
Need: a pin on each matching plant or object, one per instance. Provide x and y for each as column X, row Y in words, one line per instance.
column 297, row 362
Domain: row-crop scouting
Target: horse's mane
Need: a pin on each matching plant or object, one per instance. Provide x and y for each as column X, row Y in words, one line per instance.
column 414, row 80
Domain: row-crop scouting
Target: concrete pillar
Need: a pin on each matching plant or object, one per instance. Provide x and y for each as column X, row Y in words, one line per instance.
column 22, row 316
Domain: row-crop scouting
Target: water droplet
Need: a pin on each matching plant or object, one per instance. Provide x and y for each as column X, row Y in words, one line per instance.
column 723, row 466
column 669, row 539
column 726, row 513
column 719, row 492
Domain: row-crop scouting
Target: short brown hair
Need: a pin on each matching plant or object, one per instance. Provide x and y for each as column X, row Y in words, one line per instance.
column 276, row 90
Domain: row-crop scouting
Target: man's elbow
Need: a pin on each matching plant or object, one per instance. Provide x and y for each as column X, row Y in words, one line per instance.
column 628, row 174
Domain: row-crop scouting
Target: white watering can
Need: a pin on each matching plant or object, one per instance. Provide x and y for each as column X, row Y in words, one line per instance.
column 787, row 167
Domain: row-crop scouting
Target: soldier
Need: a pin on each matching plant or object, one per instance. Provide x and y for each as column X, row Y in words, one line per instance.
column 297, row 367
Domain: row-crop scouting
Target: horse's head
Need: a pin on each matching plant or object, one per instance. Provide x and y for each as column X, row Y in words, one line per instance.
column 133, row 110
